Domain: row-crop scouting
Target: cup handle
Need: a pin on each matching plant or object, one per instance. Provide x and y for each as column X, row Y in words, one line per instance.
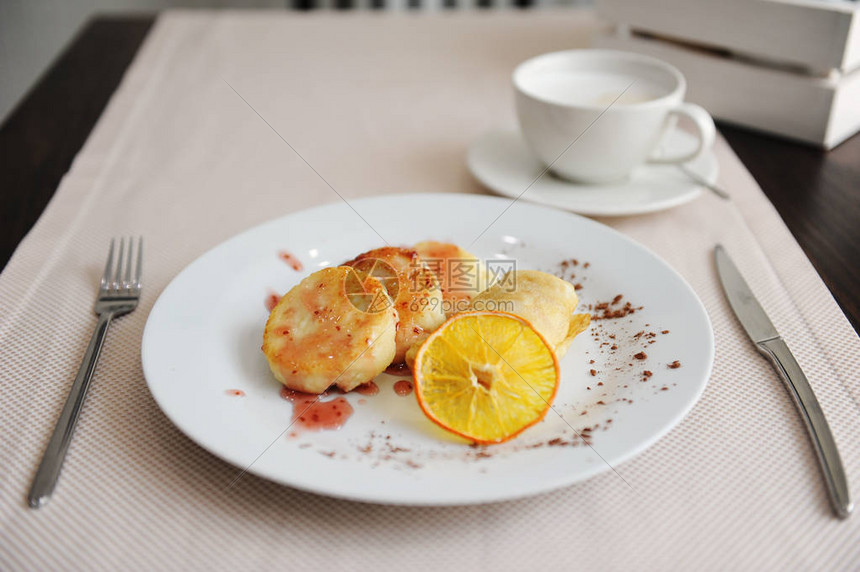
column 704, row 126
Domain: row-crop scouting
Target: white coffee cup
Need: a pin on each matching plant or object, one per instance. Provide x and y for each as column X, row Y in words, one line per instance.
column 594, row 115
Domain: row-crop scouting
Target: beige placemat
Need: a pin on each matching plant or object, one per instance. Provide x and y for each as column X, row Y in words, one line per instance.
column 382, row 104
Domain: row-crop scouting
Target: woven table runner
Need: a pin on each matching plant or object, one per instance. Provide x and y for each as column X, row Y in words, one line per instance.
column 383, row 104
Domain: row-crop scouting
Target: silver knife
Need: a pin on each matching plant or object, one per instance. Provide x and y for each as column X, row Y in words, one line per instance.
column 768, row 341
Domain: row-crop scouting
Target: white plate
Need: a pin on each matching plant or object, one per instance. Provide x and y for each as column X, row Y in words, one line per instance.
column 204, row 334
column 502, row 162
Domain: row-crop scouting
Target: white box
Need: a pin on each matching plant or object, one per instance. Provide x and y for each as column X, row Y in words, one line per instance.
column 819, row 34
column 789, row 68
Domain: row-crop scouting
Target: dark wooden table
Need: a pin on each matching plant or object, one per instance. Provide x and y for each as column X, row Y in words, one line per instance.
column 816, row 193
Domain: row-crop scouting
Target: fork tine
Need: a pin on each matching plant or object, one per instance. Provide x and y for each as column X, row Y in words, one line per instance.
column 137, row 273
column 127, row 280
column 108, row 265
column 118, row 275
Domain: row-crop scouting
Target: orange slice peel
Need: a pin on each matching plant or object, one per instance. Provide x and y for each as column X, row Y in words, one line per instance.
column 485, row 376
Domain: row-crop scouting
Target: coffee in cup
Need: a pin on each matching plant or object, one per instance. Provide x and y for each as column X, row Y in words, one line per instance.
column 592, row 116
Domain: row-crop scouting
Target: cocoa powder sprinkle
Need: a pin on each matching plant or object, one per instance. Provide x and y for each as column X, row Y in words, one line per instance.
column 611, row 311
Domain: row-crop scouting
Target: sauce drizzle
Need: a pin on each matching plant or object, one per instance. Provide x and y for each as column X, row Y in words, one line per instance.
column 314, row 415
column 369, row 388
column 290, row 259
column 272, row 300
column 403, row 387
column 398, row 369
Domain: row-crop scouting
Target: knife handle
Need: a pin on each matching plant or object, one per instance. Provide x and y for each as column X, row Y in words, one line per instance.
column 828, row 456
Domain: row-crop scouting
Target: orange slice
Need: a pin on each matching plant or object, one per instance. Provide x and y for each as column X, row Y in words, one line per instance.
column 486, row 376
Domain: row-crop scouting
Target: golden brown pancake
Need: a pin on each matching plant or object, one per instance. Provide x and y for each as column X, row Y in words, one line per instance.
column 546, row 301
column 333, row 328
column 413, row 288
column 461, row 274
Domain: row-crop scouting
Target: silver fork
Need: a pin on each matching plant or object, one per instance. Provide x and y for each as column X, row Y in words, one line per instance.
column 119, row 294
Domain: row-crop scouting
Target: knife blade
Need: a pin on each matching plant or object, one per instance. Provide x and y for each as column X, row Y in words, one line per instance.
column 767, row 340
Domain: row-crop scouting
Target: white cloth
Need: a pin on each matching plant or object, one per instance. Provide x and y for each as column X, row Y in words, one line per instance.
column 382, row 103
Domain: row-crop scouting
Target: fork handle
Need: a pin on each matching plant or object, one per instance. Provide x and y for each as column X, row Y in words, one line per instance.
column 55, row 453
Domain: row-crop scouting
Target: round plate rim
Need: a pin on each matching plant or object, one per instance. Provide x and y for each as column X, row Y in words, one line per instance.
column 453, row 500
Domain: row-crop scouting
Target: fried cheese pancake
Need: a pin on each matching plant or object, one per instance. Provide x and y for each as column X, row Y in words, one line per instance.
column 333, row 328
column 413, row 289
column 546, row 301
column 461, row 274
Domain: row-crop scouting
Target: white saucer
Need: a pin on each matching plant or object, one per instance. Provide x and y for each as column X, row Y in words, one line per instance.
column 501, row 161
